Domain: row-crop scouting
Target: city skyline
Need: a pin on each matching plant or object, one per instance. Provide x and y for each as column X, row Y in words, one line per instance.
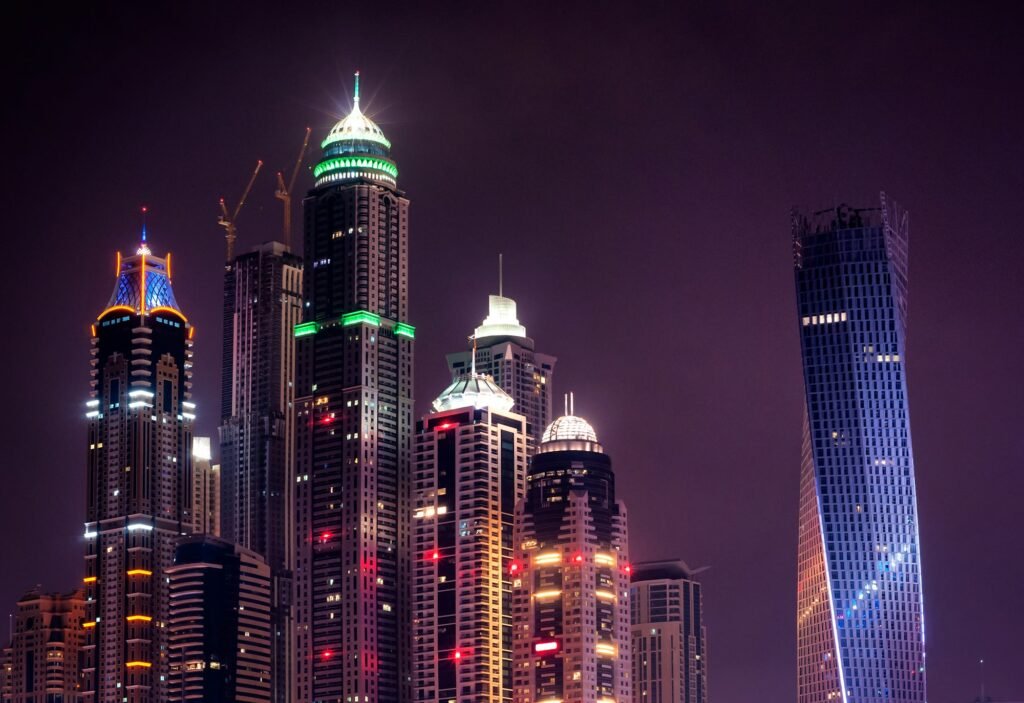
column 717, row 242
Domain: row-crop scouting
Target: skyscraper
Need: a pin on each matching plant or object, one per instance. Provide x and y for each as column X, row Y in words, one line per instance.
column 44, row 653
column 571, row 583
column 220, row 623
column 262, row 305
column 354, row 427
column 205, row 489
column 470, row 472
column 670, row 662
column 504, row 352
column 138, row 498
column 860, row 619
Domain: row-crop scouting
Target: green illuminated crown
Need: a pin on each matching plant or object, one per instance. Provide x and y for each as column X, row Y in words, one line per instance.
column 356, row 149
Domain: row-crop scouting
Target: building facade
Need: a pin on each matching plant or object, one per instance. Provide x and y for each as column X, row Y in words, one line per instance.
column 205, row 489
column 43, row 657
column 470, row 471
column 138, row 499
column 262, row 305
column 505, row 353
column 571, row 575
column 670, row 663
column 220, row 624
column 354, row 426
column 860, row 611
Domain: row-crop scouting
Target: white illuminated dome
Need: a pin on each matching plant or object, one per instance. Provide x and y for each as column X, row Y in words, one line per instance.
column 569, row 428
column 501, row 320
column 475, row 390
column 356, row 126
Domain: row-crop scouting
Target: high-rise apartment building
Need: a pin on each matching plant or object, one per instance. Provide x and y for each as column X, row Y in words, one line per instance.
column 138, row 499
column 44, row 652
column 205, row 489
column 507, row 354
column 670, row 663
column 571, row 574
column 470, row 471
column 262, row 305
column 220, row 625
column 354, row 426
column 860, row 619
column 6, row 673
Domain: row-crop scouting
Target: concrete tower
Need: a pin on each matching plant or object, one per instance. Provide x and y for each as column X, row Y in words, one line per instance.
column 470, row 472
column 860, row 609
column 138, row 492
column 354, row 425
column 571, row 583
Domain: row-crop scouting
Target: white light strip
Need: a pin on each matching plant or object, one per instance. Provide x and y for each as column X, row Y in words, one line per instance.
column 140, row 526
column 92, row 403
column 132, row 394
column 90, row 535
column 93, row 413
column 139, row 404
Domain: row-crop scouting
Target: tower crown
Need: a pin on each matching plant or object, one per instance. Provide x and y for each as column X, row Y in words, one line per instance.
column 501, row 320
column 569, row 428
column 143, row 284
column 355, row 149
column 473, row 389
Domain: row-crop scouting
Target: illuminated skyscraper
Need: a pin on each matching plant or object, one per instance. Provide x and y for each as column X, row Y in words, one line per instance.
column 262, row 305
column 205, row 489
column 220, row 642
column 470, row 472
column 354, row 426
column 504, row 352
column 860, row 611
column 670, row 662
column 44, row 653
column 138, row 492
column 571, row 584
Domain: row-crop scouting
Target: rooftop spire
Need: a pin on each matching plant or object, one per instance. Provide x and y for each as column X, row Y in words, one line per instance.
column 501, row 276
column 144, row 210
column 356, row 95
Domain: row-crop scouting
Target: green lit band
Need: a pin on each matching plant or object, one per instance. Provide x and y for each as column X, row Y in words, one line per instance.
column 307, row 328
column 358, row 317
column 342, row 162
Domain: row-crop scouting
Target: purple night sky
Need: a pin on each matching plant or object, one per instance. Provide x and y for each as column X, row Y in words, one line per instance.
column 636, row 168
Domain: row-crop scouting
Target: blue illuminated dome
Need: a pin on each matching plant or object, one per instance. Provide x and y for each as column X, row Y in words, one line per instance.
column 143, row 284
column 356, row 149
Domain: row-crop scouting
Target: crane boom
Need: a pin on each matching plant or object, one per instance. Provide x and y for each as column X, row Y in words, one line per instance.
column 284, row 192
column 229, row 222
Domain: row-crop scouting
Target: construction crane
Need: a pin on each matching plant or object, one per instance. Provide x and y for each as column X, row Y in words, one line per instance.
column 228, row 222
column 284, row 192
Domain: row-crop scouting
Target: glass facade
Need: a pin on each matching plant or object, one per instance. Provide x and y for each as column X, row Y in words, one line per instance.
column 860, row 620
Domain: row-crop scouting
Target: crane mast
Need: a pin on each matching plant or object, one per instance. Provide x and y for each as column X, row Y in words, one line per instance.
column 229, row 220
column 284, row 191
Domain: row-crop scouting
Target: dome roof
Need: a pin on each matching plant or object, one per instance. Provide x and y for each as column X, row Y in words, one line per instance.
column 569, row 427
column 143, row 283
column 501, row 320
column 473, row 390
column 356, row 126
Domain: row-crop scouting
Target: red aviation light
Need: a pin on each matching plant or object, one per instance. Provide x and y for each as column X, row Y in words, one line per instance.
column 324, row 537
column 327, row 654
column 546, row 647
column 578, row 558
column 445, row 426
column 434, row 555
column 628, row 569
column 457, row 655
column 513, row 568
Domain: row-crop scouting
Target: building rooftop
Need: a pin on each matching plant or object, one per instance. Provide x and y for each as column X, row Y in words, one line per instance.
column 475, row 390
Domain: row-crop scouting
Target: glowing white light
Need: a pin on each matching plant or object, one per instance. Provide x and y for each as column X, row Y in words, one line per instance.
column 92, row 403
column 501, row 320
column 140, row 526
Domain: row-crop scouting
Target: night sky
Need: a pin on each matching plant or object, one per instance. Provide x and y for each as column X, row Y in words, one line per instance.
column 637, row 168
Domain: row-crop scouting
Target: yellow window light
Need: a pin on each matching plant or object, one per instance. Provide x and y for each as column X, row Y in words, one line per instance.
column 604, row 649
column 605, row 595
column 541, row 595
column 89, row 623
column 138, row 665
column 138, row 618
column 604, row 559
column 89, row 579
column 139, row 572
column 547, row 558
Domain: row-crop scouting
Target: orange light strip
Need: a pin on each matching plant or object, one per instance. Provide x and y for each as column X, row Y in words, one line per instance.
column 115, row 308
column 132, row 665
column 142, row 302
column 164, row 308
column 168, row 264
column 89, row 623
column 89, row 579
column 139, row 572
column 117, row 269
column 138, row 618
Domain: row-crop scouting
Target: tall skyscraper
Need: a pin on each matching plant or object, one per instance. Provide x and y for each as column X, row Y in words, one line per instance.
column 860, row 611
column 571, row 583
column 44, row 653
column 139, row 479
column 470, row 472
column 220, row 641
column 504, row 352
column 670, row 663
column 205, row 489
column 355, row 376
column 262, row 305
